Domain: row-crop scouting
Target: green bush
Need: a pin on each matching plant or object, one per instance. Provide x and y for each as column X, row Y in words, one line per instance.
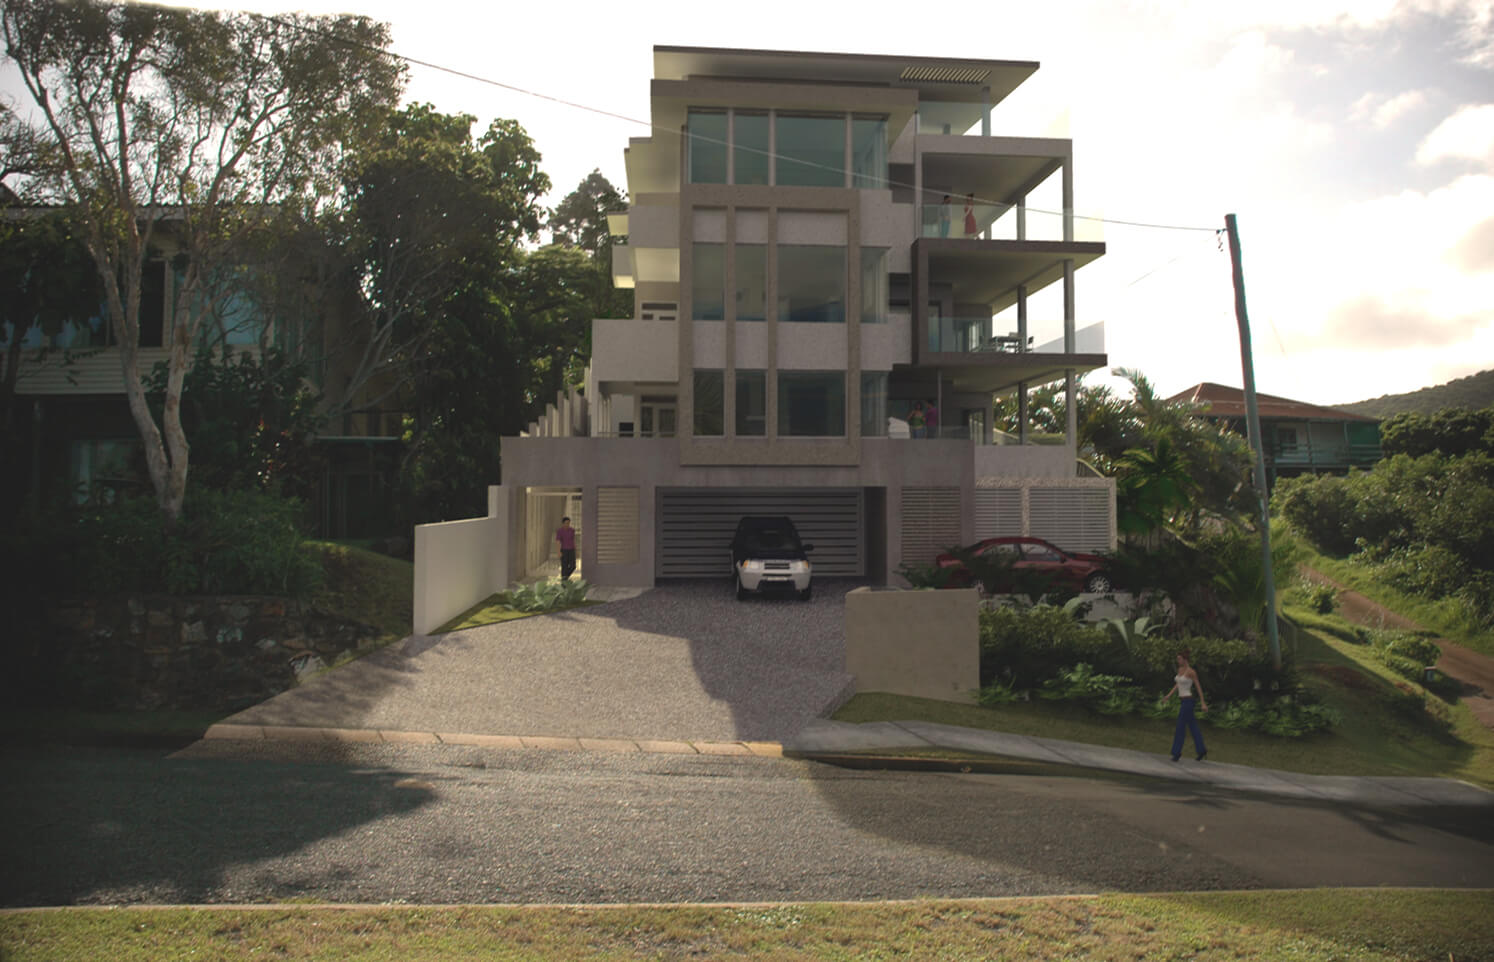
column 1404, row 653
column 1027, row 646
column 545, row 595
column 1321, row 598
column 226, row 542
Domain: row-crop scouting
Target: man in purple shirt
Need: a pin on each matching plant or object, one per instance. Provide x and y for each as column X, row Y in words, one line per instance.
column 566, row 535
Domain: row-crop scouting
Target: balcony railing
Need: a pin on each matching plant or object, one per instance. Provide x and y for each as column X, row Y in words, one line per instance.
column 976, row 335
column 999, row 222
column 1322, row 455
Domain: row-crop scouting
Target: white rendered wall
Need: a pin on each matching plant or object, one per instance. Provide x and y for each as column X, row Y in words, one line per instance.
column 459, row 563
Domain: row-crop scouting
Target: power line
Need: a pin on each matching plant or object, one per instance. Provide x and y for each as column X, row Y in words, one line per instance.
column 695, row 137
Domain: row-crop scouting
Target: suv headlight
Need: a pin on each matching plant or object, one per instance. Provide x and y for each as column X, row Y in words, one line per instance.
column 798, row 567
column 750, row 565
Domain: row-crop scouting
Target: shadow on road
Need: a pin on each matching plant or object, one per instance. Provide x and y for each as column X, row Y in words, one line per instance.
column 169, row 830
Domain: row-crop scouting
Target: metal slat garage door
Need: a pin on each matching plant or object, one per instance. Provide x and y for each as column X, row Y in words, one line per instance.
column 696, row 526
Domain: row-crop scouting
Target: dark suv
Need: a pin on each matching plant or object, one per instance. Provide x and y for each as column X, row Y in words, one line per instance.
column 767, row 555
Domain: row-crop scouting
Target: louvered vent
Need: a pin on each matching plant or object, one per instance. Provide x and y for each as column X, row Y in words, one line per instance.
column 931, row 523
column 617, row 526
column 946, row 75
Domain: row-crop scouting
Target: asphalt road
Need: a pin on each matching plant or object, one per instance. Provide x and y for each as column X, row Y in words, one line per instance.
column 239, row 822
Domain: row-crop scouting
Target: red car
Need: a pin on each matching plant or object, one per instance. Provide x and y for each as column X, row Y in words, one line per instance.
column 1083, row 572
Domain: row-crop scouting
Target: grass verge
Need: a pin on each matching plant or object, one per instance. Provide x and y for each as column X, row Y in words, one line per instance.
column 1371, row 740
column 1311, row 926
column 491, row 611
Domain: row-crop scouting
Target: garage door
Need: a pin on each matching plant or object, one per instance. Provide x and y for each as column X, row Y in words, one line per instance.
column 696, row 525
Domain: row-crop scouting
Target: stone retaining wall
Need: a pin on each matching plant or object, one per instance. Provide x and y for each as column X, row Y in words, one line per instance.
column 161, row 651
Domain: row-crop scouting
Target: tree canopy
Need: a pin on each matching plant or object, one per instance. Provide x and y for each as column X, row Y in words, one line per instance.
column 172, row 133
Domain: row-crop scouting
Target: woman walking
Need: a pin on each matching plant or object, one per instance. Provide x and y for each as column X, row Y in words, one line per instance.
column 1189, row 690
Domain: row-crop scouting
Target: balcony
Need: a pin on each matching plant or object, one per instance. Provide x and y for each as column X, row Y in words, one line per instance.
column 636, row 351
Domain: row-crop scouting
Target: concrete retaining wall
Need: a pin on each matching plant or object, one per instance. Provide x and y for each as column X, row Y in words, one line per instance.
column 920, row 643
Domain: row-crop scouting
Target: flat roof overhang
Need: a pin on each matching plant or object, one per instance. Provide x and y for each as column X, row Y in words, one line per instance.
column 949, row 78
column 997, row 174
column 990, row 271
column 995, row 373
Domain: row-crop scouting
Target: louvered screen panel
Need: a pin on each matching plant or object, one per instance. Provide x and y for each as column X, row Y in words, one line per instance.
column 998, row 512
column 931, row 523
column 696, row 527
column 617, row 526
column 1074, row 518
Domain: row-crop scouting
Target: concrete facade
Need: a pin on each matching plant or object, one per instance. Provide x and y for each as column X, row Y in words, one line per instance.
column 728, row 375
column 925, row 644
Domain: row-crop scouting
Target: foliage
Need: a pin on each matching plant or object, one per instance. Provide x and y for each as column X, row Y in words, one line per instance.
column 1451, row 432
column 1424, row 525
column 580, row 221
column 197, row 125
column 1320, row 598
column 545, row 595
column 250, row 420
column 1106, row 694
column 1404, row 653
column 925, row 576
column 228, row 542
column 1153, row 487
column 1283, row 717
column 997, row 573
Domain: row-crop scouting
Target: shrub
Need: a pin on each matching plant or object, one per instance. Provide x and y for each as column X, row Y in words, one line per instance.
column 1027, row 646
column 545, row 595
column 1320, row 598
column 1404, row 653
column 925, row 576
column 226, row 542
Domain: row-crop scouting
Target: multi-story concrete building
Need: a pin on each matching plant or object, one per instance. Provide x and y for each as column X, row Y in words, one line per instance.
column 820, row 245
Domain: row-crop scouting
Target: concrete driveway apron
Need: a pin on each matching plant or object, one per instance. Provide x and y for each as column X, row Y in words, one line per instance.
column 681, row 661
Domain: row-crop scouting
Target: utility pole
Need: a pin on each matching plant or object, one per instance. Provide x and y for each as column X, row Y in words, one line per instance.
column 1253, row 427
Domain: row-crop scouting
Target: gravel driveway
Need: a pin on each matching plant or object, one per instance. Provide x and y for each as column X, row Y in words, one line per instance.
column 683, row 661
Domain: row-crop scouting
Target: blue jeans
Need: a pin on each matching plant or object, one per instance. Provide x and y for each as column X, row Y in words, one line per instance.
column 1186, row 720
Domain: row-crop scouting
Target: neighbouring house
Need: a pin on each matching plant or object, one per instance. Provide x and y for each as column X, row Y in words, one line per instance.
column 77, row 434
column 1299, row 438
column 819, row 245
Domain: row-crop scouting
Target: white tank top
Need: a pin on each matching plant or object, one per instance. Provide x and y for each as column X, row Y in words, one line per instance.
column 1185, row 686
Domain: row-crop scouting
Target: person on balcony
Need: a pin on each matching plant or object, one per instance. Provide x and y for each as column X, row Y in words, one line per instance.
column 917, row 423
column 931, row 420
column 970, row 226
column 945, row 210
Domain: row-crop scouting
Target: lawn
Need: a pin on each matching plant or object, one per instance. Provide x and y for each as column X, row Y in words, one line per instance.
column 1312, row 926
column 1370, row 740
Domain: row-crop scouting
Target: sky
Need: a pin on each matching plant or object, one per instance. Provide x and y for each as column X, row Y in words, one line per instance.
column 1354, row 142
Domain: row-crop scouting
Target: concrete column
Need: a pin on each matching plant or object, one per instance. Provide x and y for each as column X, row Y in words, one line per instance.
column 985, row 116
column 1068, row 201
column 1022, row 412
column 1071, row 426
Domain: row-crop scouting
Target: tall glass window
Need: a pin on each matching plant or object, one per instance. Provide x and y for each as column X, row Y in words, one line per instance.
column 873, row 404
column 812, row 404
column 750, row 148
column 708, row 282
column 810, row 151
column 869, row 153
column 707, row 146
column 874, row 293
column 811, row 284
column 752, row 282
column 710, row 404
column 752, row 404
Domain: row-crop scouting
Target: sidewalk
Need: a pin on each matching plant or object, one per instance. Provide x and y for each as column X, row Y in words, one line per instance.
column 843, row 742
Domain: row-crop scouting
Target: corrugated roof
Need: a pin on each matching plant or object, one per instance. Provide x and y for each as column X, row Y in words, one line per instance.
column 1229, row 402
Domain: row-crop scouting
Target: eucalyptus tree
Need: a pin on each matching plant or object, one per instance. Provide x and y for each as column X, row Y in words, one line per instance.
column 180, row 133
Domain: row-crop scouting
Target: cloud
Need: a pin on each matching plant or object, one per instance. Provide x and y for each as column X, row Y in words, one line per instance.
column 1369, row 322
column 1474, row 253
column 1467, row 135
column 1381, row 113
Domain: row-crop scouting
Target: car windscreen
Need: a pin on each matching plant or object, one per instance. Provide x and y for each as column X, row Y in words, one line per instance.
column 769, row 540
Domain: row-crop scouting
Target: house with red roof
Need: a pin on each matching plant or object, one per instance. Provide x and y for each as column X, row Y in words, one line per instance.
column 1299, row 438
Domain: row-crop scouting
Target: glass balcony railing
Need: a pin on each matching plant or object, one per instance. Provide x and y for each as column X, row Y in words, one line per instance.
column 984, row 335
column 989, row 221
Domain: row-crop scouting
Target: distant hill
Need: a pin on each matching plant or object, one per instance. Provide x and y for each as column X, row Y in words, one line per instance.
column 1474, row 391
